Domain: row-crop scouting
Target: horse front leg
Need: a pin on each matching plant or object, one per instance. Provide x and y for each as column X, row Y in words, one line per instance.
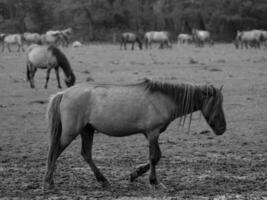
column 31, row 77
column 87, row 136
column 47, row 76
column 57, row 76
column 8, row 47
column 133, row 46
column 154, row 156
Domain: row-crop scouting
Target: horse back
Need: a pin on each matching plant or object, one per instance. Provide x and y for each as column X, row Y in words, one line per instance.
column 40, row 56
column 117, row 110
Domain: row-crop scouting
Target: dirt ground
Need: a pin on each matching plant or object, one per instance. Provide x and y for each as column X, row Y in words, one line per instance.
column 195, row 164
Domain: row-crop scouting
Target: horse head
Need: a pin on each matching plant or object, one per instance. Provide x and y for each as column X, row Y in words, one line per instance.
column 70, row 80
column 212, row 109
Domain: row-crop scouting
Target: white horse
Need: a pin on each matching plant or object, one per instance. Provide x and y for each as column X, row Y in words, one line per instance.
column 162, row 37
column 12, row 39
column 202, row 36
column 252, row 38
column 183, row 38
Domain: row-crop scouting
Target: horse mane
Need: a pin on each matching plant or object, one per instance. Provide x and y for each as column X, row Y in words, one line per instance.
column 189, row 96
column 61, row 60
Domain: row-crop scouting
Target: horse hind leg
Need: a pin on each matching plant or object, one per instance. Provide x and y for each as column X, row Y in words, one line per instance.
column 63, row 128
column 87, row 136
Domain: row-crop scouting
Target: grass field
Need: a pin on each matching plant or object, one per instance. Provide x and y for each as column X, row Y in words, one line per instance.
column 195, row 165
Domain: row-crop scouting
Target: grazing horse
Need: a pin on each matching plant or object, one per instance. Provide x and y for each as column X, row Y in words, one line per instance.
column 48, row 57
column 12, row 39
column 32, row 38
column 162, row 37
column 130, row 38
column 183, row 38
column 117, row 110
column 252, row 38
column 201, row 36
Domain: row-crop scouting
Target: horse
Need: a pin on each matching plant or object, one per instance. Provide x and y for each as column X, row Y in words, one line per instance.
column 147, row 107
column 130, row 38
column 12, row 39
column 183, row 38
column 252, row 38
column 66, row 33
column 32, row 38
column 162, row 37
column 48, row 57
column 202, row 36
column 63, row 35
column 50, row 39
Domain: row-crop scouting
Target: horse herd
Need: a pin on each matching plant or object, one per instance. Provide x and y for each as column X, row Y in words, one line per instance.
column 200, row 37
column 147, row 107
column 54, row 37
column 243, row 39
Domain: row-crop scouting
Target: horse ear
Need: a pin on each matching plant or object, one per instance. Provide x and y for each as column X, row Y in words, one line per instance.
column 221, row 88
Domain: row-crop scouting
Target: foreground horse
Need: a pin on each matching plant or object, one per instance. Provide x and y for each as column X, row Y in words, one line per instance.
column 12, row 39
column 122, row 110
column 201, row 37
column 130, row 38
column 162, row 37
column 48, row 57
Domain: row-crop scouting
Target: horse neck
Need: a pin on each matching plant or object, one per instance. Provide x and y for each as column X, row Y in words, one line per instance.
column 188, row 100
column 66, row 69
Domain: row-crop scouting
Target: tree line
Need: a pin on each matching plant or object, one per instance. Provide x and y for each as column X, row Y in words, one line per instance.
column 100, row 19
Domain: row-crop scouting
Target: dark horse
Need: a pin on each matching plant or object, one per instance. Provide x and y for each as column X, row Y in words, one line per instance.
column 122, row 110
column 48, row 57
column 130, row 38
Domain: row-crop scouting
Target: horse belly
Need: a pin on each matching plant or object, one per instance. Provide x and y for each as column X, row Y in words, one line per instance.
column 117, row 119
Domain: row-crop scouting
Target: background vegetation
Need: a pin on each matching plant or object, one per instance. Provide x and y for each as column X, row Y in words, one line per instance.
column 102, row 19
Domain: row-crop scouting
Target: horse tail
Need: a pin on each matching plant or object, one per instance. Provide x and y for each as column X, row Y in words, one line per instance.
column 54, row 120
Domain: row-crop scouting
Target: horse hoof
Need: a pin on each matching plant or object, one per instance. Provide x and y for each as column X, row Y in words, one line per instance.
column 158, row 186
column 48, row 187
column 105, row 184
